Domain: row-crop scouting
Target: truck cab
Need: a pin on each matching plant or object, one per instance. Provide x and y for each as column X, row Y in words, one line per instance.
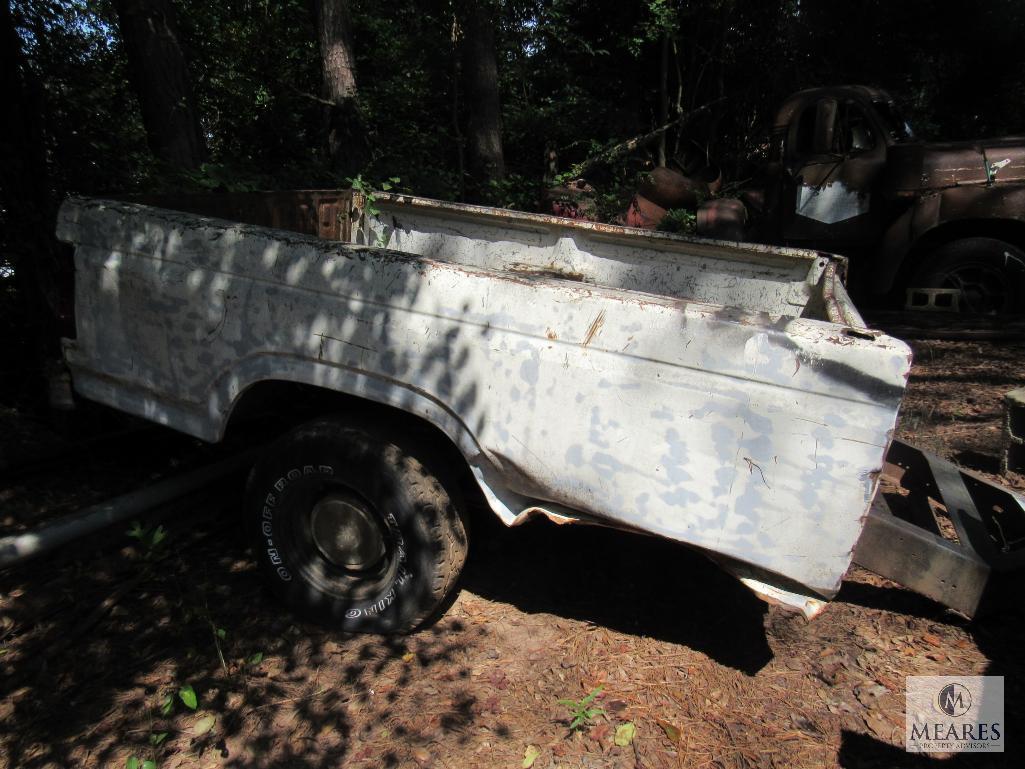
column 939, row 224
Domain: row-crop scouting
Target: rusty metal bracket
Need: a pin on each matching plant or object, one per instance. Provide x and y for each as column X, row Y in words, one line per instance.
column 960, row 569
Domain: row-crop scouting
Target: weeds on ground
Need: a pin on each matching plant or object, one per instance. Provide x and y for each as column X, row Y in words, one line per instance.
column 581, row 713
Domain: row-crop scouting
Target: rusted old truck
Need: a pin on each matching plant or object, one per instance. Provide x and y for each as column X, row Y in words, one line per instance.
column 727, row 397
column 930, row 224
column 927, row 225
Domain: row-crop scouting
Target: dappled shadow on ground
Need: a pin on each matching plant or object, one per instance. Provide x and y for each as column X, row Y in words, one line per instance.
column 626, row 582
column 99, row 646
column 999, row 635
column 100, row 641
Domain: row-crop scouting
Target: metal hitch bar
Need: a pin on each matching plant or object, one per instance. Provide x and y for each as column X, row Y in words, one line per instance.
column 941, row 531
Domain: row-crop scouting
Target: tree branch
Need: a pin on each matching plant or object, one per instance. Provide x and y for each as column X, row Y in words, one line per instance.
column 624, row 148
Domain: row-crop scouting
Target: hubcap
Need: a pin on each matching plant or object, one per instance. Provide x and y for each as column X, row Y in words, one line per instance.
column 345, row 532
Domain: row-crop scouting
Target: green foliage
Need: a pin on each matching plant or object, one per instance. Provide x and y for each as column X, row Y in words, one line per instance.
column 188, row 697
column 580, row 711
column 679, row 220
column 576, row 78
column 151, row 539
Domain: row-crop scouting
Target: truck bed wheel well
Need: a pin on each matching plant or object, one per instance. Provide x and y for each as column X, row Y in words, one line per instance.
column 272, row 407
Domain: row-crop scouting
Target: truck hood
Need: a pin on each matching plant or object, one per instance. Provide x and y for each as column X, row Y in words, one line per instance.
column 917, row 166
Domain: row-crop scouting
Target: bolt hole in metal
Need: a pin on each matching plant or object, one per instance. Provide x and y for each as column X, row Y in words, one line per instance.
column 346, row 532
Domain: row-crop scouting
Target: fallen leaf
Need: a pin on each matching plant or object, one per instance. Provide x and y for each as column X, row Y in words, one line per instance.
column 625, row 734
column 408, row 657
column 879, row 726
column 188, row 696
column 672, row 732
column 530, row 756
column 204, row 724
column 616, row 706
column 932, row 639
column 600, row 733
column 421, row 756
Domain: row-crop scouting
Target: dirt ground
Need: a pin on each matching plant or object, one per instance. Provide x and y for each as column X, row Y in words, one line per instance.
column 97, row 643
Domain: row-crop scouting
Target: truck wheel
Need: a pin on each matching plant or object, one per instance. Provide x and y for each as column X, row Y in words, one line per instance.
column 990, row 274
column 352, row 530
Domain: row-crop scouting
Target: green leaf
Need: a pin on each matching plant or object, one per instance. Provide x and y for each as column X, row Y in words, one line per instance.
column 530, row 756
column 255, row 659
column 159, row 534
column 157, row 738
column 590, row 697
column 672, row 732
column 222, row 633
column 568, row 703
column 167, row 705
column 188, row 696
column 625, row 734
column 136, row 531
column 132, row 763
column 149, row 764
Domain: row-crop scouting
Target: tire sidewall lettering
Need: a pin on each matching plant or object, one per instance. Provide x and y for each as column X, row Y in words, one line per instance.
column 369, row 609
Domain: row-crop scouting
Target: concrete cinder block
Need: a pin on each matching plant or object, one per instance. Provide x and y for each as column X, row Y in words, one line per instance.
column 1014, row 431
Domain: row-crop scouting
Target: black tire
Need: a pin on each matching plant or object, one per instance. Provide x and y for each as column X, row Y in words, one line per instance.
column 989, row 272
column 352, row 531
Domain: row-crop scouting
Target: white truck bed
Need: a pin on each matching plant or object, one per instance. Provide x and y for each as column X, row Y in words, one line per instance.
column 724, row 396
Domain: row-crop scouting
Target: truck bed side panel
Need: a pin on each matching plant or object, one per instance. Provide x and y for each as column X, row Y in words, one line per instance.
column 752, row 436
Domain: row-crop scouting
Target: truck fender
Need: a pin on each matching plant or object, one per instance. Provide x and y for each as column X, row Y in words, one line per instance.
column 995, row 211
column 489, row 472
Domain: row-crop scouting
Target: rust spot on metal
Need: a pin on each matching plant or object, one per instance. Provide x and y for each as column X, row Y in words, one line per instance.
column 550, row 271
column 594, row 328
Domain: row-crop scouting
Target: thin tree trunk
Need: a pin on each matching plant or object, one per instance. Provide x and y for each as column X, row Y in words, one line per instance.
column 456, row 130
column 346, row 140
column 485, row 160
column 663, row 98
column 160, row 77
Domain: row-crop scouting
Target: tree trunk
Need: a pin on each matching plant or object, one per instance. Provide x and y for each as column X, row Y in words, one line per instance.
column 29, row 213
column 485, row 162
column 346, row 140
column 663, row 98
column 160, row 77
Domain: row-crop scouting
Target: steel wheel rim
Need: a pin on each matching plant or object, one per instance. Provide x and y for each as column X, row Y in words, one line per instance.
column 983, row 288
column 346, row 532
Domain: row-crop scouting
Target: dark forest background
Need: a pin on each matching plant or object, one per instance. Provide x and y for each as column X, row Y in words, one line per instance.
column 492, row 101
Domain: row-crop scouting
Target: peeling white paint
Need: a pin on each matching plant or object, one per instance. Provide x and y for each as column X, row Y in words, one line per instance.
column 831, row 203
column 672, row 387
